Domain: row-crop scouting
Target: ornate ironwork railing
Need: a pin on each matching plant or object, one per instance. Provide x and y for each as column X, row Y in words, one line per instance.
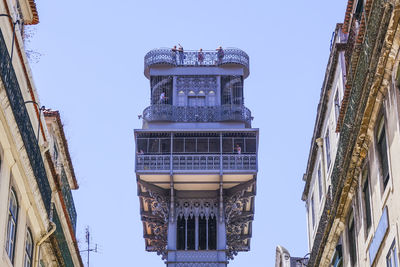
column 162, row 112
column 68, row 198
column 23, row 121
column 191, row 58
column 201, row 162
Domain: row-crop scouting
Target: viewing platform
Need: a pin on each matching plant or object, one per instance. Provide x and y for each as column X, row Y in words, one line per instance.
column 165, row 56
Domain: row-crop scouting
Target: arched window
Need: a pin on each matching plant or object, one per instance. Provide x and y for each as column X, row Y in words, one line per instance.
column 181, row 98
column 211, row 98
column 28, row 249
column 232, row 90
column 11, row 225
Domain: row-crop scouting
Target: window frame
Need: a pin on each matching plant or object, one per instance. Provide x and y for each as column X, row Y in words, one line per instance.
column 352, row 238
column 319, row 178
column 366, row 199
column 327, row 145
column 392, row 254
column 10, row 249
column 28, row 252
column 381, row 132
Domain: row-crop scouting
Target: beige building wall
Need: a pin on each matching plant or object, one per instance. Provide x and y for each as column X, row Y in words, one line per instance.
column 16, row 173
column 379, row 244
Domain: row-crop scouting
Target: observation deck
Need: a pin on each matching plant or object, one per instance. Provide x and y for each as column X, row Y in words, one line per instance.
column 165, row 56
column 223, row 113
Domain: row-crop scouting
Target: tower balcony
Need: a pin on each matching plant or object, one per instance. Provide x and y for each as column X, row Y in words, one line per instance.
column 165, row 56
column 229, row 163
column 170, row 113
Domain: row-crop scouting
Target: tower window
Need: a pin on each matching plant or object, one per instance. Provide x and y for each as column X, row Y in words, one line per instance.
column 232, row 90
column 191, row 233
column 206, row 233
column 181, row 234
column 161, row 90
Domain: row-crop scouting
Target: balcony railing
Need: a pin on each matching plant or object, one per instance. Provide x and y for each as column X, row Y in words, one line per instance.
column 190, row 58
column 197, row 162
column 17, row 103
column 172, row 113
column 68, row 198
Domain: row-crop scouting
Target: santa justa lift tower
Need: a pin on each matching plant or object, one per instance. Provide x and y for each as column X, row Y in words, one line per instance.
column 196, row 157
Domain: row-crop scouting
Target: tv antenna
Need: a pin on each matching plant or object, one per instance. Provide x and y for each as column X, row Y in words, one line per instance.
column 89, row 249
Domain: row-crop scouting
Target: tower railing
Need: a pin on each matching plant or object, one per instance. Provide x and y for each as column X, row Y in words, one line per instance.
column 198, row 162
column 162, row 112
column 190, row 58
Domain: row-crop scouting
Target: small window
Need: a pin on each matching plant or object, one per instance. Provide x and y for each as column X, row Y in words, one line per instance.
column 366, row 200
column 28, row 249
column 359, row 10
column 11, row 225
column 251, row 145
column 312, row 211
column 382, row 151
column 391, row 258
column 154, row 145
column 142, row 145
column 191, row 233
column 352, row 240
column 190, row 145
column 165, row 145
column 212, row 233
column 227, row 145
column 181, row 234
column 214, row 145
column 202, row 145
column 179, row 145
column 181, row 98
column 337, row 106
column 327, row 149
column 319, row 181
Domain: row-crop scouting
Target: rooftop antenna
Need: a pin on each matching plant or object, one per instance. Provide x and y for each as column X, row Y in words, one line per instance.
column 89, row 249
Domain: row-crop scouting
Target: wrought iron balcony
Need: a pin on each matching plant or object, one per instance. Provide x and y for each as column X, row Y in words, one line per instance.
column 165, row 56
column 68, row 198
column 197, row 162
column 17, row 104
column 161, row 112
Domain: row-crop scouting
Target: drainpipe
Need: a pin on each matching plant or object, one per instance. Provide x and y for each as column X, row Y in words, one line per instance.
column 37, row 250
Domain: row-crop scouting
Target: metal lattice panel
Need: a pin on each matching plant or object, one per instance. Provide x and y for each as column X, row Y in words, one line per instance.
column 196, row 83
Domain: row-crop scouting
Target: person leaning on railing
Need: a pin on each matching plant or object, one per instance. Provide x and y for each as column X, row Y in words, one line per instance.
column 173, row 50
column 220, row 54
column 200, row 56
column 181, row 54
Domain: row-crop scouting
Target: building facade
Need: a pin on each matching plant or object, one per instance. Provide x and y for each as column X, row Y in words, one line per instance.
column 353, row 172
column 196, row 157
column 37, row 212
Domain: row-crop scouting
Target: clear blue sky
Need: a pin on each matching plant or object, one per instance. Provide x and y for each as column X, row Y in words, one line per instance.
column 92, row 71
